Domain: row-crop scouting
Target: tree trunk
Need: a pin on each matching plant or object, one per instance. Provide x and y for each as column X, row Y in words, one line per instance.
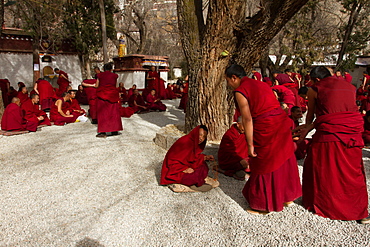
column 355, row 11
column 226, row 29
column 103, row 30
column 2, row 13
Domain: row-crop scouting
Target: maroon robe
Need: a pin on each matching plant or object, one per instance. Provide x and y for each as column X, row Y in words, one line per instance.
column 31, row 113
column 12, row 119
column 109, row 118
column 274, row 172
column 153, row 83
column 285, row 95
column 62, row 82
column 81, row 97
column 152, row 105
column 334, row 183
column 4, row 86
column 184, row 98
column 284, row 78
column 91, row 96
column 138, row 99
column 233, row 149
column 366, row 133
column 185, row 153
column 23, row 97
column 74, row 106
column 348, row 78
column 162, row 90
column 11, row 95
column 257, row 76
column 57, row 118
column 170, row 93
column 122, row 94
column 46, row 93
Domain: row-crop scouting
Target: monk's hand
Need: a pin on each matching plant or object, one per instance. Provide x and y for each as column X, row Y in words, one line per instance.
column 209, row 157
column 251, row 152
column 188, row 170
column 244, row 163
column 40, row 118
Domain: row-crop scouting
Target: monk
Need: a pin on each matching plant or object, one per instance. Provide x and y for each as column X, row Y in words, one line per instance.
column 74, row 106
column 20, row 85
column 154, row 102
column 60, row 113
column 4, row 86
column 152, row 79
column 137, row 103
column 347, row 76
column 184, row 167
column 302, row 92
column 131, row 91
column 109, row 119
column 281, row 79
column 97, row 71
column 334, row 182
column 338, row 74
column 23, row 95
column 91, row 97
column 274, row 181
column 12, row 118
column 11, row 94
column 184, row 98
column 366, row 79
column 366, row 133
column 233, row 152
column 122, row 92
column 32, row 113
column 169, row 92
column 46, row 93
column 256, row 75
column 63, row 81
column 81, row 96
column 301, row 146
column 285, row 95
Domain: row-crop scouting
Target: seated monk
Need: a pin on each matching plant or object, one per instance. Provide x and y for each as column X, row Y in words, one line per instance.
column 169, row 92
column 32, row 113
column 74, row 106
column 131, row 91
column 137, row 102
column 233, row 152
column 81, row 96
column 184, row 168
column 366, row 133
column 12, row 118
column 23, row 95
column 122, row 93
column 154, row 102
column 11, row 94
column 60, row 113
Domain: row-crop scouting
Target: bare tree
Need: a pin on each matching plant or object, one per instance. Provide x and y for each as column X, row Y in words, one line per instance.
column 227, row 27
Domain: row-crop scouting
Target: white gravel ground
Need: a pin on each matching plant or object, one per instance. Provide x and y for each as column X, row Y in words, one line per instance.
column 62, row 186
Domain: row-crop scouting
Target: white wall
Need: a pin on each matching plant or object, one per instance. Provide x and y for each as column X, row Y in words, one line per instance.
column 130, row 78
column 17, row 67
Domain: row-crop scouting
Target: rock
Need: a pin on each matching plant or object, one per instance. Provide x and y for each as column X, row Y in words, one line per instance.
column 168, row 135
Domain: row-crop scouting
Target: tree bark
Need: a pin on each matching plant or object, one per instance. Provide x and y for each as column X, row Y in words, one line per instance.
column 226, row 29
column 104, row 30
column 355, row 11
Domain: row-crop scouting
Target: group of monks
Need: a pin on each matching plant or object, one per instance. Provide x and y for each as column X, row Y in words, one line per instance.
column 262, row 146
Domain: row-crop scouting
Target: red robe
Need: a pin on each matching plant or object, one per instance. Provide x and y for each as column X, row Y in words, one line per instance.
column 366, row 133
column 152, row 105
column 153, row 83
column 11, row 95
column 185, row 153
column 285, row 95
column 233, row 149
column 4, row 85
column 74, row 105
column 46, row 93
column 31, row 113
column 184, row 98
column 139, row 101
column 23, row 97
column 257, row 76
column 123, row 94
column 274, row 172
column 170, row 93
column 62, row 82
column 91, row 97
column 57, row 118
column 348, row 78
column 109, row 118
column 334, row 183
column 81, row 97
column 12, row 119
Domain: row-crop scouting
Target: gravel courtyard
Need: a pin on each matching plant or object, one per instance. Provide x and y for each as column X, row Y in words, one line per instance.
column 62, row 186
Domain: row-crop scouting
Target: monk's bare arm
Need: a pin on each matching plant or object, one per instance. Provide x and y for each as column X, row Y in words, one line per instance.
column 59, row 105
column 35, row 88
column 312, row 95
column 97, row 83
column 247, row 121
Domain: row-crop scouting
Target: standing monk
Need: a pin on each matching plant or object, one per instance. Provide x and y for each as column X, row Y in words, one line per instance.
column 4, row 86
column 90, row 90
column 274, row 180
column 334, row 183
column 46, row 93
column 109, row 118
column 63, row 81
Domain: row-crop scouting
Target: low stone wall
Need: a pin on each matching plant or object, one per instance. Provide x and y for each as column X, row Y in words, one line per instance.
column 168, row 135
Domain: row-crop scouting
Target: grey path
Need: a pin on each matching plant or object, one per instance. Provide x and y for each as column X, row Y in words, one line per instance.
column 62, row 186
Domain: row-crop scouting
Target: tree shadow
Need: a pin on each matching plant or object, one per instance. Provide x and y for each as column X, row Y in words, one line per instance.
column 88, row 242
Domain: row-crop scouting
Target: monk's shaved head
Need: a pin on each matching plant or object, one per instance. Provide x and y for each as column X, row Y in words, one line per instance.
column 16, row 100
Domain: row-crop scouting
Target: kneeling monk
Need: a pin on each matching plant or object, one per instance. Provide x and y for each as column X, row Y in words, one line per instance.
column 274, row 180
column 185, row 164
column 233, row 152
